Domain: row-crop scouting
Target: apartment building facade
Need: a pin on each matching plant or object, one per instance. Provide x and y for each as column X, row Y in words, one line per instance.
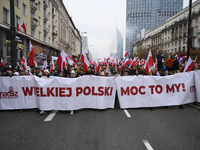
column 70, row 38
column 44, row 28
column 171, row 37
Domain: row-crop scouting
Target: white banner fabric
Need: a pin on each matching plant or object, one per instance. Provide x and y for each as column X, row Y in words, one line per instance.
column 154, row 91
column 57, row 93
column 197, row 84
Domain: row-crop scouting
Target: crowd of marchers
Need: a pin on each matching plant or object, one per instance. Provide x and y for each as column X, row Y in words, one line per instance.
column 169, row 67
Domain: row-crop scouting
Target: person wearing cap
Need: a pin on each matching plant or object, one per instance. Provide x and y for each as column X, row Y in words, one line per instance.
column 22, row 72
column 56, row 73
column 5, row 73
column 16, row 74
column 175, row 65
column 102, row 74
column 46, row 72
column 81, row 73
column 72, row 74
column 38, row 73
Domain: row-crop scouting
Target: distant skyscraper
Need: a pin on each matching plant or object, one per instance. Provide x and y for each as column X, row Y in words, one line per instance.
column 147, row 14
column 119, row 45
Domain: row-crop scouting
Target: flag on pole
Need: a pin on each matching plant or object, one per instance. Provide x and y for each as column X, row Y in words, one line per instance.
column 189, row 65
column 84, row 60
column 126, row 54
column 61, row 61
column 31, row 54
column 195, row 59
column 149, row 63
column 44, row 65
column 24, row 26
column 1, row 64
column 25, row 64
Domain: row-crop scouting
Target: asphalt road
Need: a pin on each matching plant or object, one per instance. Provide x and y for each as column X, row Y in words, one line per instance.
column 162, row 129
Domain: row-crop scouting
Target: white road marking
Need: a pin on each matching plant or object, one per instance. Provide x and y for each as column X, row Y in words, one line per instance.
column 51, row 115
column 127, row 113
column 146, row 143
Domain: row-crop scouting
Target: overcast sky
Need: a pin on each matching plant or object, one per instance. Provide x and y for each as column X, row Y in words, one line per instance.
column 100, row 20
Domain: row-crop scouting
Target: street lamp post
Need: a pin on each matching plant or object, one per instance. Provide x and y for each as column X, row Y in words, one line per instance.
column 189, row 27
column 13, row 35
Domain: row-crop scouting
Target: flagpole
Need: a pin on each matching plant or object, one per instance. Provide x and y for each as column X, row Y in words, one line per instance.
column 13, row 35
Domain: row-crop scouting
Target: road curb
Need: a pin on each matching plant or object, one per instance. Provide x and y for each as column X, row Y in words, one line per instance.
column 195, row 107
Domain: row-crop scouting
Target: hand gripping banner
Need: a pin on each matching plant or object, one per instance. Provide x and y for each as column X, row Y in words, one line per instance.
column 154, row 91
column 56, row 93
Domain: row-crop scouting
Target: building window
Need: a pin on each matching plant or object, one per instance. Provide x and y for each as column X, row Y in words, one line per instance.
column 39, row 18
column 24, row 9
column 49, row 16
column 32, row 32
column 172, row 50
column 39, row 5
column 184, row 48
column 45, row 38
column 175, row 49
column 39, row 35
column 196, row 19
column 6, row 16
column 172, row 43
column 49, row 40
column 53, row 42
column 17, row 3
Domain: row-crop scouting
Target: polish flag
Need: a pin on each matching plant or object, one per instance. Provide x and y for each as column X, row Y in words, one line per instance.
column 17, row 25
column 61, row 61
column 31, row 54
column 84, row 60
column 126, row 54
column 97, row 67
column 125, row 64
column 195, row 59
column 24, row 26
column 35, row 62
column 1, row 64
column 58, row 44
column 25, row 64
column 23, row 59
column 189, row 65
column 44, row 65
column 70, row 59
column 134, row 61
column 149, row 63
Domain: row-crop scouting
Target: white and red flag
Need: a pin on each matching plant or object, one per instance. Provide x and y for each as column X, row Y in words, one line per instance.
column 126, row 53
column 1, row 64
column 35, row 62
column 127, row 61
column 31, row 54
column 23, row 60
column 97, row 67
column 44, row 65
column 70, row 59
column 195, row 59
column 134, row 61
column 84, row 60
column 24, row 26
column 61, row 61
column 189, row 65
column 25, row 64
column 149, row 63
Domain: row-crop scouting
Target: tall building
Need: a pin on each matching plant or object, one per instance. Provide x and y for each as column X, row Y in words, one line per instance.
column 119, row 53
column 147, row 14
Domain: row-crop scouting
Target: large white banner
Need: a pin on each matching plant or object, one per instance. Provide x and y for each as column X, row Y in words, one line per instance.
column 197, row 85
column 154, row 91
column 56, row 93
